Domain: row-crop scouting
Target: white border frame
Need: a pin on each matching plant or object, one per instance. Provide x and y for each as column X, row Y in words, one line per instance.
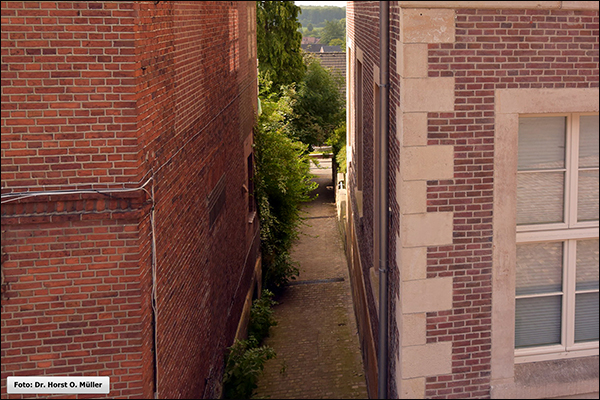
column 509, row 104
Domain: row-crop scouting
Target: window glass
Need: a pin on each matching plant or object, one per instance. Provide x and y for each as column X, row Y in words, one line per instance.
column 539, row 268
column 540, row 197
column 586, row 317
column 588, row 141
column 541, row 143
column 587, row 196
column 587, row 265
column 537, row 321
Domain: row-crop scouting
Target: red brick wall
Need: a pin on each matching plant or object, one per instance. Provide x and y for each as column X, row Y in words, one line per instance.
column 362, row 27
column 68, row 82
column 494, row 49
column 170, row 94
column 197, row 95
column 71, row 303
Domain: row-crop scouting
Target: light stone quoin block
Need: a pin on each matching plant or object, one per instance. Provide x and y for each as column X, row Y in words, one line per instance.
column 428, row 25
column 427, row 163
column 427, row 295
column 429, row 229
column 413, row 63
column 413, row 128
column 413, row 197
column 413, row 388
column 413, row 262
column 427, row 95
column 413, row 329
column 427, row 360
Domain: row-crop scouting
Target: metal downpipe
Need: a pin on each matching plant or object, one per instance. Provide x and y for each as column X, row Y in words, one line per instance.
column 382, row 356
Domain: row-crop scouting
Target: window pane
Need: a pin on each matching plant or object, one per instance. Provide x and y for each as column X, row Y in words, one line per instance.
column 541, row 143
column 588, row 141
column 586, row 317
column 539, row 268
column 587, row 264
column 540, row 197
column 587, row 197
column 537, row 321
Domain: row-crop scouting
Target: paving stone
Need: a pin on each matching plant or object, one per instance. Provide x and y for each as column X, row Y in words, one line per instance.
column 316, row 339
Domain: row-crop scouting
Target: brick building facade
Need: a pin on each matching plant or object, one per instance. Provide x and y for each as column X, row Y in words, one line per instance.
column 493, row 242
column 129, row 237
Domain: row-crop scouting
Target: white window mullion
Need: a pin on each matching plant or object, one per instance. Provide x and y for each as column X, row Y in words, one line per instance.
column 572, row 164
column 570, row 258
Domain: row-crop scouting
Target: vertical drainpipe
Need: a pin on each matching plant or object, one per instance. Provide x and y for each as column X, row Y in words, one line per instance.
column 384, row 212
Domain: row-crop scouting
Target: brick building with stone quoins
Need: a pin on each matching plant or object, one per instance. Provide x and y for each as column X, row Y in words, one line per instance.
column 129, row 237
column 492, row 186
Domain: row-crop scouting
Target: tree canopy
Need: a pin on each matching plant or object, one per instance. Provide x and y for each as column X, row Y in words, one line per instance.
column 318, row 104
column 317, row 15
column 279, row 51
column 334, row 30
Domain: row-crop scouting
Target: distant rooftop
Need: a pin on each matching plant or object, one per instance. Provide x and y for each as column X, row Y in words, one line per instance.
column 319, row 48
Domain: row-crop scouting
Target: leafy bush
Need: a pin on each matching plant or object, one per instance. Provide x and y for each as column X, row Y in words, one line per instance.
column 337, row 141
column 282, row 183
column 340, row 159
column 318, row 104
column 261, row 316
column 244, row 364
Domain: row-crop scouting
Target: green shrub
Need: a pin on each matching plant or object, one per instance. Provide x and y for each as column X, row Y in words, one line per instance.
column 283, row 182
column 337, row 141
column 340, row 159
column 261, row 316
column 243, row 366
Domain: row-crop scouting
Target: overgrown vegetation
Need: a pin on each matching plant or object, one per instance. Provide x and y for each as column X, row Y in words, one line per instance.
column 246, row 358
column 283, row 183
column 278, row 42
column 337, row 141
column 301, row 106
column 326, row 23
column 245, row 362
column 318, row 108
column 317, row 15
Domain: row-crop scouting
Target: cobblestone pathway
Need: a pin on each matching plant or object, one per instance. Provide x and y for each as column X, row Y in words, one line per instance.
column 318, row 353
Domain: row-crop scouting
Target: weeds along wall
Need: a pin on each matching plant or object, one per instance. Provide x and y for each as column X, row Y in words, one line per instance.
column 132, row 124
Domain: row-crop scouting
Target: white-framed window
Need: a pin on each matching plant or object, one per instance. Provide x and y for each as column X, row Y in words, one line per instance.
column 556, row 304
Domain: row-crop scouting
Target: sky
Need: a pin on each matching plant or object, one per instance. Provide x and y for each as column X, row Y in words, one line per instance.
column 321, row 3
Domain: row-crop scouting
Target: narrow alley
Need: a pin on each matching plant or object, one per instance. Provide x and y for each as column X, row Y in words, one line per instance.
column 318, row 353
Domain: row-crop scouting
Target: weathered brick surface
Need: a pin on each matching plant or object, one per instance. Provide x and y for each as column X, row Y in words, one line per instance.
column 493, row 49
column 125, row 92
column 68, row 94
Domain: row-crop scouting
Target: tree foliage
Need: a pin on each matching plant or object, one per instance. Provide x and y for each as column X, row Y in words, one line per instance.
column 334, row 30
column 278, row 42
column 244, row 364
column 318, row 106
column 317, row 15
column 337, row 141
column 282, row 182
